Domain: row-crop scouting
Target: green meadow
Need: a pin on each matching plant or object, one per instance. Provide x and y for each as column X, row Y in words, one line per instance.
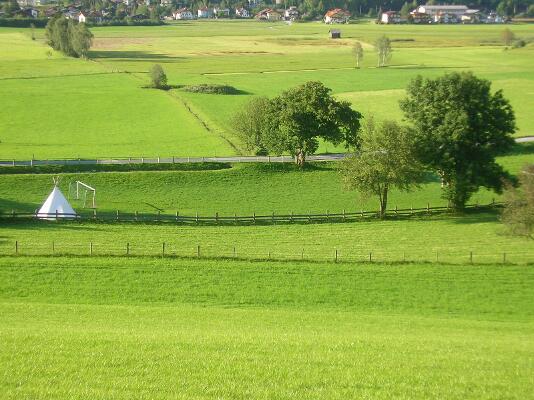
column 152, row 328
column 61, row 107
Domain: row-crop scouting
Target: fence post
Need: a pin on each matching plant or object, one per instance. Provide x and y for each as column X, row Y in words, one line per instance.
column 136, row 215
column 309, row 216
column 12, row 213
column 343, row 214
column 235, row 218
column 117, row 215
column 173, row 159
column 196, row 217
column 163, row 250
column 53, row 247
column 176, row 216
column 94, row 214
column 273, row 218
column 142, row 160
column 471, row 257
column 362, row 213
column 254, row 217
column 216, row 217
column 396, row 210
column 403, row 256
column 370, row 257
column 335, row 259
column 13, row 162
column 504, row 258
column 437, row 256
column 57, row 219
column 198, row 250
column 90, row 248
column 234, row 252
column 302, row 254
column 291, row 218
column 158, row 160
column 428, row 208
column 127, row 248
column 16, row 247
column 327, row 215
column 411, row 209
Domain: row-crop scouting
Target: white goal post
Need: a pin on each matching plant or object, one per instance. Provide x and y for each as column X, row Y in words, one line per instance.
column 83, row 188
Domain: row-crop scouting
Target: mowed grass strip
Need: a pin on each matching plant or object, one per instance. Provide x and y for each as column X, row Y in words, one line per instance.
column 105, row 328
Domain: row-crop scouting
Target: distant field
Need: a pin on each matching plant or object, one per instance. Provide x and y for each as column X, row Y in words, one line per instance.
column 149, row 328
column 121, row 119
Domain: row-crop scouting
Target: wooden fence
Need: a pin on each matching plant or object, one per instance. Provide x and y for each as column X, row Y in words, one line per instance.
column 218, row 219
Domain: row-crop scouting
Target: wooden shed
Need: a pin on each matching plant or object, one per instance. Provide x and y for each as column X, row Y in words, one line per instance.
column 335, row 34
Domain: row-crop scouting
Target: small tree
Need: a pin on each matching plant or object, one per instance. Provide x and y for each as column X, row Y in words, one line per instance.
column 250, row 121
column 81, row 39
column 357, row 50
column 460, row 126
column 405, row 10
column 386, row 159
column 384, row 50
column 300, row 116
column 507, row 37
column 518, row 212
column 158, row 79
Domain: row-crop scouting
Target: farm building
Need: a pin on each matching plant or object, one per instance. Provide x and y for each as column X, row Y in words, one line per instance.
column 419, row 18
column 391, row 17
column 335, row 34
column 337, row 16
column 268, row 14
column 183, row 13
column 433, row 11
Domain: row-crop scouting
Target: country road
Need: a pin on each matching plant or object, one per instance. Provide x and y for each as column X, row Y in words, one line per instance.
column 178, row 160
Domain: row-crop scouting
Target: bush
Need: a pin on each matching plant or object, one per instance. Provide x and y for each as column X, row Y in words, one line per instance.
column 212, row 89
column 158, row 79
column 519, row 43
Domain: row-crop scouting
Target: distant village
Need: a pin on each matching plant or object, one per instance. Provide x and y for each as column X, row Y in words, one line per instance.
column 158, row 11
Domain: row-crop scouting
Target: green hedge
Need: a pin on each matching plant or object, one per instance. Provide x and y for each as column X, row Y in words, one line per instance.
column 23, row 22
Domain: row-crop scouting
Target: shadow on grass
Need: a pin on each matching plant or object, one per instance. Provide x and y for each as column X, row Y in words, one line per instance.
column 521, row 149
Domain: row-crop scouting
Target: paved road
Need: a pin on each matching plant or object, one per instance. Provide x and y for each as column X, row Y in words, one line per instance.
column 177, row 160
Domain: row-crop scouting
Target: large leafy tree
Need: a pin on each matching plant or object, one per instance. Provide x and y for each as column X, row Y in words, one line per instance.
column 250, row 121
column 299, row 117
column 460, row 126
column 518, row 212
column 385, row 160
column 68, row 37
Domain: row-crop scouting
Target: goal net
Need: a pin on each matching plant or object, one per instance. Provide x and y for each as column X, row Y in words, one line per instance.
column 80, row 191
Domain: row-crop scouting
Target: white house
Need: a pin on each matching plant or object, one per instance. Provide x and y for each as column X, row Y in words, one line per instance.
column 242, row 13
column 82, row 17
column 182, row 13
column 291, row 14
column 165, row 3
column 221, row 12
column 204, row 12
column 336, row 16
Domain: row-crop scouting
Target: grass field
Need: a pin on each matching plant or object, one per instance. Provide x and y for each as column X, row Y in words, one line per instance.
column 47, row 92
column 149, row 328
column 242, row 189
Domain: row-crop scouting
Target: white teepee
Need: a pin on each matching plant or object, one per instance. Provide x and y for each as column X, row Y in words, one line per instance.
column 56, row 203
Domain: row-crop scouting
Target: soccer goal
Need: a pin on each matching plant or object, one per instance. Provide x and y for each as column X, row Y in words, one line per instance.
column 80, row 190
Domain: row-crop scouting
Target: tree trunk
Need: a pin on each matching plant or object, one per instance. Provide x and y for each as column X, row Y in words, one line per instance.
column 300, row 158
column 384, row 202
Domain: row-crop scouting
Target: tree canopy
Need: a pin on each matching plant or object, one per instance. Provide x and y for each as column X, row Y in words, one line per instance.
column 385, row 160
column 460, row 126
column 158, row 78
column 69, row 37
column 383, row 50
column 295, row 121
column 518, row 212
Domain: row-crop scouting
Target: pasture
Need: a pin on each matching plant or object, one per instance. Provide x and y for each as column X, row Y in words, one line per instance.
column 149, row 328
column 119, row 118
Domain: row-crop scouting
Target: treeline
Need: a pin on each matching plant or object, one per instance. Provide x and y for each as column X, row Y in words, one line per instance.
column 69, row 37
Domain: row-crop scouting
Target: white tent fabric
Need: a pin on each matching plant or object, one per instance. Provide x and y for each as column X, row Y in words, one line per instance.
column 56, row 202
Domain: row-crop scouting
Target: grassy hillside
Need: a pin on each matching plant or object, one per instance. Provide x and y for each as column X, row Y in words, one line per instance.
column 184, row 329
column 47, row 91
column 242, row 189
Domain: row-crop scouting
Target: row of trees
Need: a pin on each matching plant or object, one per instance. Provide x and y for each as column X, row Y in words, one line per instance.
column 69, row 37
column 456, row 128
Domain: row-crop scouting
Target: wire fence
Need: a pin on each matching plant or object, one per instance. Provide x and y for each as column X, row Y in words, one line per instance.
column 220, row 219
column 250, row 252
column 164, row 160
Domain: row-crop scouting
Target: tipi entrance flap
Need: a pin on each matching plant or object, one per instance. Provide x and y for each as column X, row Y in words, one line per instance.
column 56, row 203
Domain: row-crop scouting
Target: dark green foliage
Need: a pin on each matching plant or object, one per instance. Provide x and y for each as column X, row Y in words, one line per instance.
column 518, row 213
column 69, row 37
column 386, row 160
column 460, row 127
column 158, row 78
column 23, row 22
column 295, row 120
column 212, row 89
column 58, row 169
column 249, row 123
